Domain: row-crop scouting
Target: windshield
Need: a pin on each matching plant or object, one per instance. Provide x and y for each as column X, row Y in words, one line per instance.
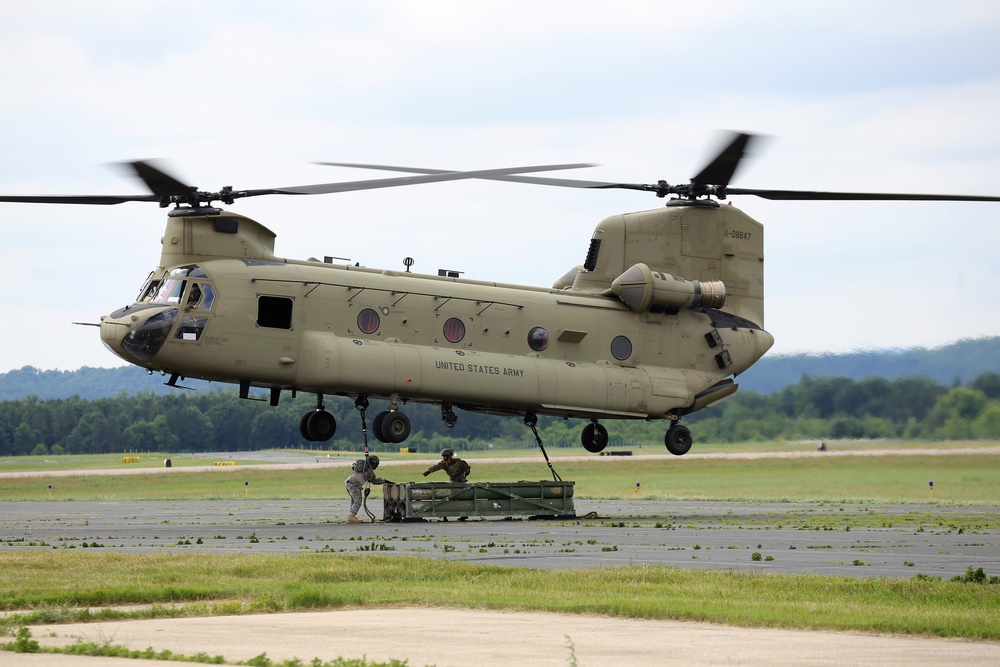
column 169, row 291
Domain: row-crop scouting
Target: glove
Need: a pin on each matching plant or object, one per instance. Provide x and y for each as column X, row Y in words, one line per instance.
column 426, row 473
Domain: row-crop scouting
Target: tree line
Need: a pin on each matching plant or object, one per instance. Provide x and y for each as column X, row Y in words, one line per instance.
column 218, row 421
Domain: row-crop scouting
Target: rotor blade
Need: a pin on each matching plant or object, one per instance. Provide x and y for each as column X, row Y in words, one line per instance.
column 766, row 194
column 852, row 196
column 77, row 199
column 158, row 181
column 437, row 176
column 720, row 170
column 534, row 180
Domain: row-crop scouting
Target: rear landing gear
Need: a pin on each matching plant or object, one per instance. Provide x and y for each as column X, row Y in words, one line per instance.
column 594, row 437
column 678, row 439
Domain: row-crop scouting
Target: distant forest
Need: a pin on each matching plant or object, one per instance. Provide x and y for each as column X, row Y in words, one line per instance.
column 217, row 421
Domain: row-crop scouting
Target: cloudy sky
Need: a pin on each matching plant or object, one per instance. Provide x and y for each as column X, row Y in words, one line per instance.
column 871, row 96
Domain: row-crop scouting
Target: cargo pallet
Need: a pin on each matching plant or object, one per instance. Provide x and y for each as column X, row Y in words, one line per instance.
column 413, row 501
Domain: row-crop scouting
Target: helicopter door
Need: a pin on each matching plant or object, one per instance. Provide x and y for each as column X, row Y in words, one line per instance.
column 275, row 342
column 199, row 297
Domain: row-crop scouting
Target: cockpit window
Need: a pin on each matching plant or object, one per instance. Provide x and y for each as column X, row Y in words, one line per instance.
column 169, row 291
column 148, row 289
column 209, row 299
column 194, row 296
column 201, row 296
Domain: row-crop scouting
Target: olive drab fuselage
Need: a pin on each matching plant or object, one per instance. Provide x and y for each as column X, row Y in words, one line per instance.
column 666, row 309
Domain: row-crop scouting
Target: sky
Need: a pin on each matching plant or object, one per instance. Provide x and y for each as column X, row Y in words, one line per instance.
column 877, row 95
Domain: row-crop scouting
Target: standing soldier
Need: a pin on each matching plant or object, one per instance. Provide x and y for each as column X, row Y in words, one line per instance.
column 362, row 473
column 457, row 469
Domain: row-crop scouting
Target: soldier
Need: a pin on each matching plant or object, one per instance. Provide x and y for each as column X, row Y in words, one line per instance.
column 457, row 469
column 362, row 473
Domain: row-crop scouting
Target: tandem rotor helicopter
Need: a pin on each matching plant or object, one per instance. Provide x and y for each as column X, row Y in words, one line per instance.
column 665, row 311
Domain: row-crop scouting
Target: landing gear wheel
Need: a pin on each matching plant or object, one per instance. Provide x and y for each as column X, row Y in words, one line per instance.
column 394, row 427
column 377, row 426
column 678, row 440
column 594, row 437
column 320, row 425
column 304, row 427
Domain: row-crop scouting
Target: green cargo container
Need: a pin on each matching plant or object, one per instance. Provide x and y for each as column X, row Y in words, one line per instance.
column 500, row 499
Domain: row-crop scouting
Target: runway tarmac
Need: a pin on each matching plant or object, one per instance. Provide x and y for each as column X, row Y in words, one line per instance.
column 849, row 539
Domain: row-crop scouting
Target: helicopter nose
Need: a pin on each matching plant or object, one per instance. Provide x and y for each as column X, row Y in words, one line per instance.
column 764, row 341
column 138, row 332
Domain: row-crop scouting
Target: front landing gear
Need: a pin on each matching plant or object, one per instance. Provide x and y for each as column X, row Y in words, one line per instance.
column 317, row 425
column 678, row 439
column 391, row 426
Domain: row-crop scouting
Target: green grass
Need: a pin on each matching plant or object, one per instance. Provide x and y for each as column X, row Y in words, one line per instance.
column 245, row 583
column 967, row 479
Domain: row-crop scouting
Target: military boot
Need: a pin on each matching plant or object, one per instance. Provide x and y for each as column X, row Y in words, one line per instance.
column 353, row 518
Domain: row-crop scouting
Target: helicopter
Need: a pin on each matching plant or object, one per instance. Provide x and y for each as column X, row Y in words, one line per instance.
column 664, row 313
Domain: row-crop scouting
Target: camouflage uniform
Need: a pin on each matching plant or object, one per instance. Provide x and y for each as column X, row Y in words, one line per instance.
column 457, row 469
column 361, row 473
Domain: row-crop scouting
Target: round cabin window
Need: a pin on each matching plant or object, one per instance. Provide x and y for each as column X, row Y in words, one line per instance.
column 368, row 321
column 538, row 339
column 454, row 330
column 621, row 348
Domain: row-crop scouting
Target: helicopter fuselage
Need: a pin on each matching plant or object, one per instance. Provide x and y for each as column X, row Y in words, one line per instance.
column 646, row 345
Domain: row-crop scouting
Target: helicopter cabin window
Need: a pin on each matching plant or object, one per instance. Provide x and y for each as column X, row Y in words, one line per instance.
column 538, row 339
column 621, row 348
column 274, row 312
column 454, row 330
column 368, row 321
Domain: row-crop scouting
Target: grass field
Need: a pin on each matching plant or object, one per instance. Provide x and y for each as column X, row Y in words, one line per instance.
column 242, row 583
column 964, row 479
column 237, row 583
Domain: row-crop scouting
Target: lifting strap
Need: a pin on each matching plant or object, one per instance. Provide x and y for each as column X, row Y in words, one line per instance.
column 531, row 421
column 362, row 404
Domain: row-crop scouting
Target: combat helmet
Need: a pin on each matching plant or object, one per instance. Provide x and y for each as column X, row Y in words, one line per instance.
column 447, row 452
column 373, row 461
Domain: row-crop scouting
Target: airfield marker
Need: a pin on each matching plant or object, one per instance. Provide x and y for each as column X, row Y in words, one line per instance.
column 50, row 492
column 932, row 490
column 246, row 492
column 638, row 490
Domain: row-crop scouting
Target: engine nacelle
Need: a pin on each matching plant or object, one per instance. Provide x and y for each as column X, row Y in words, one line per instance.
column 643, row 289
